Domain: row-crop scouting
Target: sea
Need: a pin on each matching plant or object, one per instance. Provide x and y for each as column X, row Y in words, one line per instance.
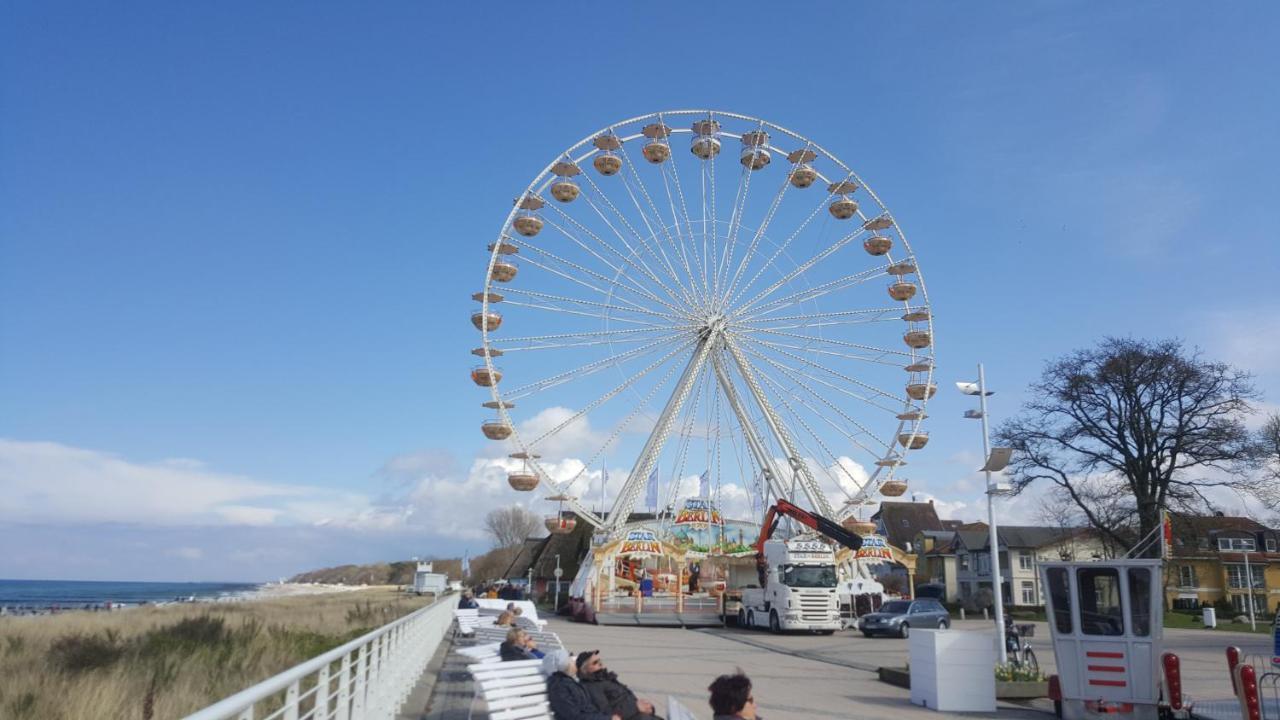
column 48, row 595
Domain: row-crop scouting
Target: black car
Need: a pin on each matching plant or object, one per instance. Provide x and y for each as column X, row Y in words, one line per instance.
column 897, row 617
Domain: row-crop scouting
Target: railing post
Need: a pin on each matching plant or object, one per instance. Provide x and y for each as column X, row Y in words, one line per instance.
column 361, row 684
column 291, row 700
column 246, row 714
column 344, row 688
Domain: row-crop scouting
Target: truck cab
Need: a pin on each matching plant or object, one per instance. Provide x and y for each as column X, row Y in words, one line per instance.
column 799, row 588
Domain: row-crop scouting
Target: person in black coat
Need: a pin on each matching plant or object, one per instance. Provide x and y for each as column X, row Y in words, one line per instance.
column 467, row 601
column 519, row 646
column 605, row 690
column 568, row 699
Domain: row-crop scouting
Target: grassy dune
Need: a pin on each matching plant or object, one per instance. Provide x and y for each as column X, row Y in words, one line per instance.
column 166, row 662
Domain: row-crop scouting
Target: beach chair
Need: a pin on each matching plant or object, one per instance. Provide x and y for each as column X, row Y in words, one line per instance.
column 480, row 653
column 511, row 690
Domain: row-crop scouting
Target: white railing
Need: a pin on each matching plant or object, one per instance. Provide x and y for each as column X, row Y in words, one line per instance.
column 369, row 677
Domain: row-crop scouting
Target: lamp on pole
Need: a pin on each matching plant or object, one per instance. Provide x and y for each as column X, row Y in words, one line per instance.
column 995, row 461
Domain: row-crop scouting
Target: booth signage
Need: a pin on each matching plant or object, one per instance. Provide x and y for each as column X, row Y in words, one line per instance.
column 641, row 543
column 874, row 547
column 698, row 511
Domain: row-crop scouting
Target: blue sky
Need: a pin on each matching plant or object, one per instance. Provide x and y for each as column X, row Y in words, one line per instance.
column 238, row 240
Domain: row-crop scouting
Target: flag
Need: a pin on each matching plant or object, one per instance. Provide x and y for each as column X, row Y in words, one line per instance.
column 704, row 484
column 651, row 492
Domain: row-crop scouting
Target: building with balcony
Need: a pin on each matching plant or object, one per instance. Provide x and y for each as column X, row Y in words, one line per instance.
column 1221, row 558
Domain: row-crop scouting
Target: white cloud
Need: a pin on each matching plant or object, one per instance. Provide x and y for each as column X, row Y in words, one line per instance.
column 48, row 482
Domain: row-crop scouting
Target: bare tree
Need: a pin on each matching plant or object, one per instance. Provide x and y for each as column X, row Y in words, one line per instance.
column 509, row 526
column 1269, row 452
column 1129, row 428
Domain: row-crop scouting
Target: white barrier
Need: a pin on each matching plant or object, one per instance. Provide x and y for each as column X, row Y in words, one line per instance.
column 368, row 678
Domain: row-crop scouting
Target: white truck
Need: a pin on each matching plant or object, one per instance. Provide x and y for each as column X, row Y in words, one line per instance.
column 799, row 588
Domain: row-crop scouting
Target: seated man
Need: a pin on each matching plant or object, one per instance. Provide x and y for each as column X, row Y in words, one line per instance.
column 467, row 601
column 519, row 646
column 568, row 699
column 604, row 688
column 731, row 698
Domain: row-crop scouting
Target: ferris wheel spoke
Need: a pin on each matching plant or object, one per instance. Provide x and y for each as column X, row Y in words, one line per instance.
column 813, row 293
column 591, row 334
column 833, row 353
column 759, row 234
column 834, row 373
column 618, row 428
column 584, row 344
column 835, row 460
column 803, row 323
column 615, row 391
column 782, row 248
column 596, row 275
column 631, row 172
column 804, row 380
column 871, row 314
column 588, row 369
column 880, row 352
column 578, row 301
column 622, row 219
column 581, row 313
column 692, row 245
column 735, row 226
column 640, row 267
column 802, row 269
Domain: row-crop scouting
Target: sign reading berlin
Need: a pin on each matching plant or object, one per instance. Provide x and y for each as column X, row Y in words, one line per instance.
column 874, row 547
column 640, row 543
column 698, row 511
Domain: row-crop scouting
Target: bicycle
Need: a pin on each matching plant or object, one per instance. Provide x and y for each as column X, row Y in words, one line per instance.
column 1018, row 649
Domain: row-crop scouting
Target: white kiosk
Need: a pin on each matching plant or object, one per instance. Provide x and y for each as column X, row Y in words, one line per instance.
column 1106, row 619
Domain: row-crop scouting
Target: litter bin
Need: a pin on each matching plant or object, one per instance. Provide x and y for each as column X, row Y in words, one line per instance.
column 1210, row 617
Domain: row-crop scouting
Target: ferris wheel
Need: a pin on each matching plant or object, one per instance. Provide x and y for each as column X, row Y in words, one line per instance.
column 704, row 294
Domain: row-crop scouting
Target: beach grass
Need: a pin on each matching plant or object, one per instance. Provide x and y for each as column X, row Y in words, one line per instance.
column 152, row 663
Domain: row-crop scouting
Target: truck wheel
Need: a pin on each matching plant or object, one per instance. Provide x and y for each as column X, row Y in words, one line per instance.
column 904, row 631
column 742, row 618
column 775, row 627
column 751, row 619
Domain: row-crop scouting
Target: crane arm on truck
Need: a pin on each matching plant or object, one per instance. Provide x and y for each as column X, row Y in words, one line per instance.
column 815, row 522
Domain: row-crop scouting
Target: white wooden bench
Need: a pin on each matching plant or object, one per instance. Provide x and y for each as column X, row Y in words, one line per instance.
column 467, row 621
column 511, row 690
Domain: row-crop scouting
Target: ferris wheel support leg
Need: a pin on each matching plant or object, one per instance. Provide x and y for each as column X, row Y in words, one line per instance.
column 658, row 438
column 799, row 469
column 754, row 443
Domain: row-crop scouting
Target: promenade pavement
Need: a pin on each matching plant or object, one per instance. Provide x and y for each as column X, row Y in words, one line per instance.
column 657, row 662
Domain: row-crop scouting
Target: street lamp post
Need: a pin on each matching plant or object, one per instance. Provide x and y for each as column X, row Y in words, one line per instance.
column 555, row 605
column 993, row 462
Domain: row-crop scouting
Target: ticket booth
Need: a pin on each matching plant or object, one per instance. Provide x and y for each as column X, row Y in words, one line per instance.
column 1106, row 620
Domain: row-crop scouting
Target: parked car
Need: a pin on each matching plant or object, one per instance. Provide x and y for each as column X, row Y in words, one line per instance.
column 897, row 617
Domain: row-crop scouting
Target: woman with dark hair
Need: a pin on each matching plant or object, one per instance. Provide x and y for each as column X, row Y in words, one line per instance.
column 731, row 698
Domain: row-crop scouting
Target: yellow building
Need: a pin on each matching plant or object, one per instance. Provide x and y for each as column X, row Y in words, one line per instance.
column 1214, row 558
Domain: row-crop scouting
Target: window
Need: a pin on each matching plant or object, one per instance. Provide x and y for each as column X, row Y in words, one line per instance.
column 1203, row 543
column 1025, row 560
column 984, row 564
column 1271, row 544
column 964, row 561
column 1187, row 576
column 1100, row 610
column 1238, row 544
column 1028, row 593
column 1140, row 601
column 1060, row 598
column 814, row 576
column 1238, row 602
column 1236, row 577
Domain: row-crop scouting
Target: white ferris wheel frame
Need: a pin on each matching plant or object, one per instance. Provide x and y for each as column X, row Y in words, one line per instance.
column 714, row 345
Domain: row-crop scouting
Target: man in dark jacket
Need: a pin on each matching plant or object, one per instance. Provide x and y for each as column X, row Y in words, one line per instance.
column 607, row 693
column 569, row 700
column 467, row 601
